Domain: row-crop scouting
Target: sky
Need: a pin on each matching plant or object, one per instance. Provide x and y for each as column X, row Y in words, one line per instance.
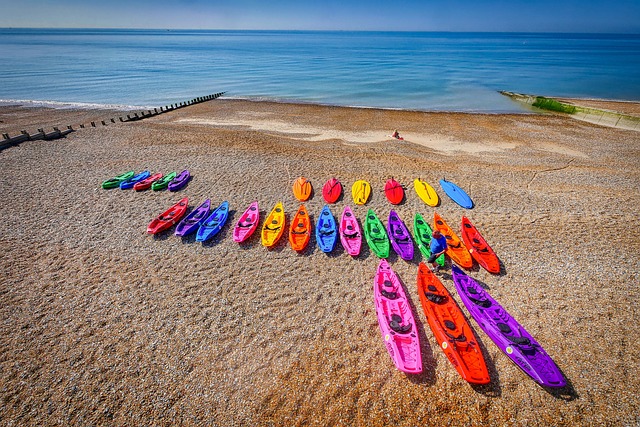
column 589, row 16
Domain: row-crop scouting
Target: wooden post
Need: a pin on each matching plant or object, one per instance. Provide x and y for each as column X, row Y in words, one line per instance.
column 93, row 124
column 82, row 126
column 103, row 123
column 70, row 127
column 5, row 135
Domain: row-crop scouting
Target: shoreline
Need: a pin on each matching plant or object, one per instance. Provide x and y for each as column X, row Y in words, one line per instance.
column 104, row 324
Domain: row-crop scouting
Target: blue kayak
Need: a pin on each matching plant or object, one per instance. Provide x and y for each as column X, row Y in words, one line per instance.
column 456, row 194
column 129, row 183
column 214, row 223
column 326, row 230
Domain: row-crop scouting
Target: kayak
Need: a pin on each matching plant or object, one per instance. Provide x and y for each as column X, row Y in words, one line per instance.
column 116, row 180
column 360, row 190
column 376, row 236
column 163, row 182
column 396, row 321
column 456, row 249
column 350, row 233
column 214, row 223
column 129, row 183
column 169, row 217
column 479, row 248
column 247, row 224
column 394, row 191
column 450, row 328
column 146, row 183
column 302, row 189
column 422, row 233
column 456, row 194
column 332, row 190
column 326, row 230
column 180, row 181
column 509, row 335
column 400, row 238
column 273, row 226
column 192, row 221
column 300, row 230
column 426, row 192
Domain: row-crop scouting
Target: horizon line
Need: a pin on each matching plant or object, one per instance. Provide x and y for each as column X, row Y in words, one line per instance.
column 319, row 30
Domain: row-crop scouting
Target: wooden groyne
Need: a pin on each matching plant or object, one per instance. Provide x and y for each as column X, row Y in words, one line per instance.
column 588, row 114
column 8, row 141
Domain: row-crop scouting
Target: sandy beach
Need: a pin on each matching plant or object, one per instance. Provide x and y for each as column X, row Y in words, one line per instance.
column 103, row 324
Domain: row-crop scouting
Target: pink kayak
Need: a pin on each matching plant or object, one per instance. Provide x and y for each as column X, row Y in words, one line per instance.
column 350, row 233
column 247, row 223
column 396, row 321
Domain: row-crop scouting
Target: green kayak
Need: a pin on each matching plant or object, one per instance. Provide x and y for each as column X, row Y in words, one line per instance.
column 376, row 235
column 115, row 181
column 163, row 182
column 422, row 233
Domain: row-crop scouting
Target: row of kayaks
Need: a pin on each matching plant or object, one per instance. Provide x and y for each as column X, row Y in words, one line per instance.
column 328, row 230
column 393, row 190
column 144, row 180
column 450, row 327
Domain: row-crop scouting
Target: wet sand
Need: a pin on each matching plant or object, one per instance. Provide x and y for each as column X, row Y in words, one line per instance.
column 103, row 324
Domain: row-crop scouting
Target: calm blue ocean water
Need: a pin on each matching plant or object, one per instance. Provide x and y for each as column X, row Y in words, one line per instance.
column 424, row 71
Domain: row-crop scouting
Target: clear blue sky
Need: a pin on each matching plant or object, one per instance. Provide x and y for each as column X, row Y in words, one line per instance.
column 617, row 16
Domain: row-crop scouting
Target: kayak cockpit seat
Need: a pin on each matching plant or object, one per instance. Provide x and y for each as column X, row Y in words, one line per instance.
column 484, row 303
column 299, row 232
column 272, row 228
column 435, row 298
column 327, row 233
column 351, row 236
column 459, row 339
column 245, row 224
column 396, row 325
column 506, row 330
column 389, row 295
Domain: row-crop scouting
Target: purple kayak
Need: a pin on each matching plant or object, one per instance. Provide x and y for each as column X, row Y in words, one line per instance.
column 192, row 221
column 400, row 238
column 179, row 181
column 506, row 332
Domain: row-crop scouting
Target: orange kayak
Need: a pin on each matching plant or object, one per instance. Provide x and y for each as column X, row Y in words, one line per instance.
column 300, row 231
column 479, row 248
column 302, row 189
column 456, row 249
column 451, row 329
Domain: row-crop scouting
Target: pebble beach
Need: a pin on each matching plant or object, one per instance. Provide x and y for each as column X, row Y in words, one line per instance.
column 104, row 324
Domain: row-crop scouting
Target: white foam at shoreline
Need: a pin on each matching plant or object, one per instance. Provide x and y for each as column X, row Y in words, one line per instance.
column 71, row 105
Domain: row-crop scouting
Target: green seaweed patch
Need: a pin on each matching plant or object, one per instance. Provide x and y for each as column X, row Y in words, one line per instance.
column 553, row 105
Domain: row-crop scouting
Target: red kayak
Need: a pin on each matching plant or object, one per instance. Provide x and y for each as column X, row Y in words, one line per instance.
column 170, row 217
column 479, row 248
column 451, row 329
column 145, row 184
column 332, row 190
column 394, row 191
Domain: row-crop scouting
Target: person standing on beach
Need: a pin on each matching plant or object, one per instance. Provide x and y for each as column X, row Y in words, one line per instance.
column 437, row 246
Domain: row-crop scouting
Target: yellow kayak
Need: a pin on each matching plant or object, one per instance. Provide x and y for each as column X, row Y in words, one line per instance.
column 361, row 190
column 273, row 227
column 426, row 192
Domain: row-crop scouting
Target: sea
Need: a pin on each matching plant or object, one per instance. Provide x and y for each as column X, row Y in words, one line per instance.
column 426, row 71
